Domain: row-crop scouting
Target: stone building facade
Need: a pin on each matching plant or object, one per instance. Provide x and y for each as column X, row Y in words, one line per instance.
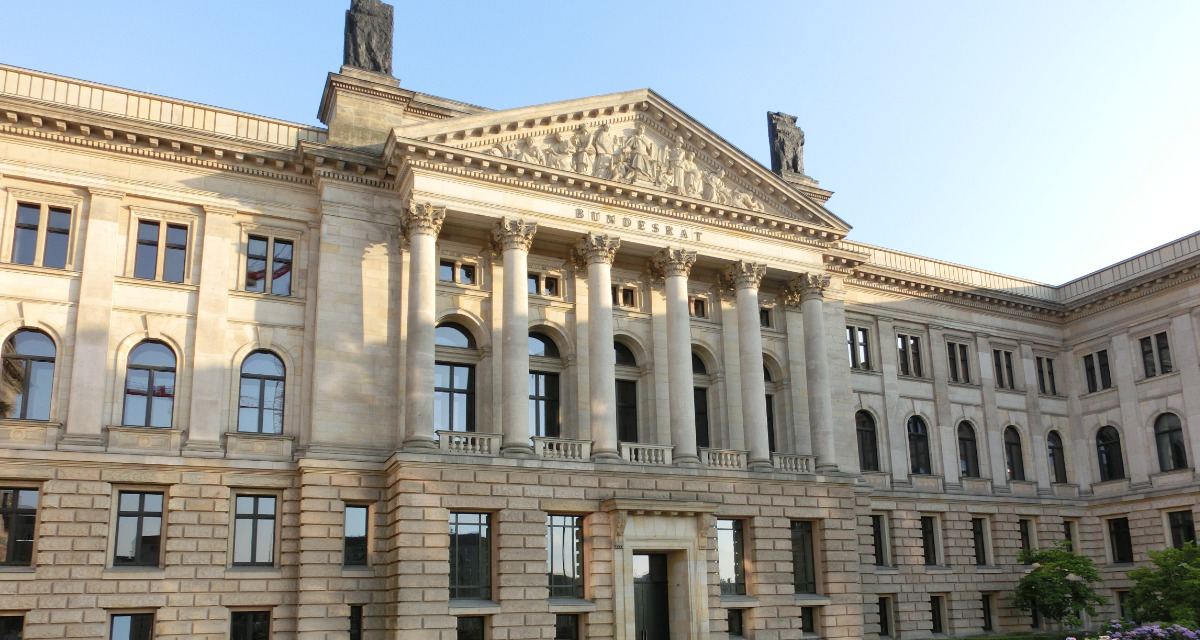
column 373, row 380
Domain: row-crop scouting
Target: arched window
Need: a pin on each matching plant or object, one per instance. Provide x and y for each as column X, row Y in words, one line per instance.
column 868, row 444
column 28, row 378
column 454, row 378
column 260, row 403
column 918, row 447
column 700, row 385
column 698, row 366
column 968, row 451
column 1108, row 451
column 1168, row 435
column 150, row 386
column 1014, row 460
column 627, row 409
column 544, row 393
column 1058, row 459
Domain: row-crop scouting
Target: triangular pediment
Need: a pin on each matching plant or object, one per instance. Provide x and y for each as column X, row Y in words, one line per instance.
column 635, row 138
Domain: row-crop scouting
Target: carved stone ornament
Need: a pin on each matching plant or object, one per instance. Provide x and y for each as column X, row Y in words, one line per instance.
column 787, row 144
column 744, row 275
column 423, row 219
column 512, row 233
column 708, row 530
column 811, row 285
column 622, row 518
column 368, row 44
column 671, row 262
column 597, row 247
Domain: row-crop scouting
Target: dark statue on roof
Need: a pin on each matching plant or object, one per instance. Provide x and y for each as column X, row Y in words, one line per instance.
column 787, row 144
column 369, row 36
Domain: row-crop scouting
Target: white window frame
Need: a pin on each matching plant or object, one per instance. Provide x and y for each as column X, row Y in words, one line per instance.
column 1046, row 373
column 1152, row 335
column 955, row 348
column 44, row 200
column 1006, row 363
column 271, row 233
column 163, row 218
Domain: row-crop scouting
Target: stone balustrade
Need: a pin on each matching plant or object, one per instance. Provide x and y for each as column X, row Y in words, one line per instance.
column 562, row 449
column 793, row 463
column 724, row 458
column 476, row 444
column 637, row 453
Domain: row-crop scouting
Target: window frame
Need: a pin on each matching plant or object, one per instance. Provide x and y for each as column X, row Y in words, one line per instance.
column 141, row 617
column 10, row 514
column 1044, row 365
column 248, row 632
column 1057, row 463
column 546, row 401
column 858, row 345
column 349, row 560
column 567, row 522
column 958, row 358
column 544, row 276
column 886, row 616
column 1003, row 369
column 271, row 233
column 625, row 296
column 1027, row 537
column 937, row 613
column 484, row 557
column 968, row 450
column 458, row 269
column 700, row 307
column 627, row 377
column 1110, row 470
column 261, row 409
column 1120, row 551
column 881, row 539
column 1014, row 454
column 140, row 515
column 931, row 539
column 152, row 370
column 737, row 529
column 922, row 454
column 909, row 361
column 806, row 573
column 29, row 362
column 1170, row 444
column 1180, row 531
column 255, row 518
column 981, row 538
column 165, row 220
column 10, row 616
column 457, row 357
column 1155, row 351
column 1097, row 371
column 44, row 201
column 871, row 436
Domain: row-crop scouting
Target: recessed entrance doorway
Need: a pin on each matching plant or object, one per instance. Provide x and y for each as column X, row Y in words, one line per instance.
column 651, row 604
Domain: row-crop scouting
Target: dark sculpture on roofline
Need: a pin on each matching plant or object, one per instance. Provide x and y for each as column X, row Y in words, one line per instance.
column 369, row 37
column 787, row 144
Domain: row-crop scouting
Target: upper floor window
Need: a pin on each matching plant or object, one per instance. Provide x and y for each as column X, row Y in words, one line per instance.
column 858, row 344
column 139, row 529
column 470, row 556
column 731, row 557
column 260, row 404
column 1168, row 436
column 18, row 519
column 698, row 306
column 879, row 538
column 959, row 357
column 268, row 265
column 541, row 284
column 150, row 386
column 764, row 317
column 1013, row 458
column 918, row 447
column 771, row 389
column 968, row 451
column 354, row 535
column 544, row 417
column 458, row 272
column 254, row 530
column 1108, row 453
column 868, row 443
column 161, row 252
column 700, row 384
column 131, row 626
column 1182, row 526
column 979, row 536
column 929, row 539
column 28, row 379
column 1156, row 354
column 454, row 379
column 910, row 355
column 624, row 297
column 1045, row 375
column 42, row 235
column 1002, row 360
column 804, row 557
column 1057, row 458
column 564, row 547
column 626, row 392
column 1096, row 371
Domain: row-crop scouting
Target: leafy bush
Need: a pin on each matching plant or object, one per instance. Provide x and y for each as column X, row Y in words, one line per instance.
column 1117, row 630
column 1170, row 591
column 1059, row 587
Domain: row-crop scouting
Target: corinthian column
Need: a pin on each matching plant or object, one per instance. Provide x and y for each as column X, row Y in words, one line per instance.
column 810, row 288
column 513, row 238
column 597, row 252
column 745, row 278
column 675, row 265
column 422, row 223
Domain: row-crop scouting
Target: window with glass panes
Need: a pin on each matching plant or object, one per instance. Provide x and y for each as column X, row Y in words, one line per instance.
column 626, row 392
column 254, row 530
column 356, row 622
column 18, row 518
column 1119, row 541
column 1182, row 526
column 979, row 537
column 929, row 539
column 879, row 539
column 1057, row 458
column 1096, row 371
column 139, row 529
column 1025, row 533
column 150, row 386
column 1045, row 375
column 471, row 628
column 566, row 626
column 1002, row 362
column 453, row 381
column 161, row 251
column 260, row 402
column 936, row 612
column 959, row 359
column 1069, row 533
column 918, row 447
column 249, row 625
column 42, row 235
column 1014, row 458
column 868, row 444
column 910, row 355
column 985, row 602
column 858, row 345
column 354, row 544
column 968, row 451
column 131, row 626
column 1169, row 441
column 804, row 559
column 269, row 265
column 885, row 617
column 1108, row 453
column 543, row 386
column 564, row 545
column 12, row 626
column 731, row 557
column 470, row 556
column 1156, row 355
column 28, row 361
column 458, row 272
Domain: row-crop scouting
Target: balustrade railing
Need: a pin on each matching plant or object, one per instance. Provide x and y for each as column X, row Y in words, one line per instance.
column 724, row 458
column 646, row 453
column 793, row 463
column 562, row 449
column 465, row 442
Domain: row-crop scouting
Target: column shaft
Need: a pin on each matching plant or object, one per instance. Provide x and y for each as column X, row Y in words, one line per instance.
column 423, row 223
column 598, row 251
column 675, row 265
column 746, row 278
column 816, row 368
column 515, row 236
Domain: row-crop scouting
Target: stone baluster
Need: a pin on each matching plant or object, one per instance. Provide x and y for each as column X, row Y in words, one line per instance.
column 513, row 238
column 811, row 289
column 675, row 265
column 745, row 277
column 597, row 251
column 421, row 223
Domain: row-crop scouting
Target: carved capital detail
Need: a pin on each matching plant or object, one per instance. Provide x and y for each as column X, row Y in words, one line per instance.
column 513, row 233
column 594, row 248
column 744, row 275
column 423, row 219
column 806, row 286
column 670, row 262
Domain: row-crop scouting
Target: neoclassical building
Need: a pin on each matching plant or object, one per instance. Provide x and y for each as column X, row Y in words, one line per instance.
column 576, row 370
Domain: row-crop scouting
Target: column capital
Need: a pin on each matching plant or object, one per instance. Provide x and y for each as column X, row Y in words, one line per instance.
column 594, row 248
column 744, row 275
column 423, row 219
column 672, row 262
column 806, row 286
column 513, row 233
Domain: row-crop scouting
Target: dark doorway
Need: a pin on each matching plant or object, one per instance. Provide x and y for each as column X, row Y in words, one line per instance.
column 652, row 620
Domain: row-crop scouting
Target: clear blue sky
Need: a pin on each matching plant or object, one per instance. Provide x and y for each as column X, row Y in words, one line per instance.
column 1038, row 139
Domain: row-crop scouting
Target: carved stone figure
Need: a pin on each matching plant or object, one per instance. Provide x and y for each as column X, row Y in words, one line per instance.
column 602, row 143
column 676, row 159
column 621, row 166
column 581, row 161
column 746, row 200
column 715, row 189
column 368, row 44
column 693, row 183
column 640, row 161
column 528, row 151
column 558, row 154
column 787, row 144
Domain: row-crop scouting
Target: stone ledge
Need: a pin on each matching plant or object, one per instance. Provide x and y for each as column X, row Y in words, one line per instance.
column 257, row 446
column 473, row 607
column 571, row 605
column 144, row 440
column 29, row 434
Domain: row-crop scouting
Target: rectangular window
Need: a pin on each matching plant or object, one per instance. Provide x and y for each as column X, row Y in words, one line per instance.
column 1025, row 531
column 1035, row 621
column 566, row 626
column 1045, row 374
column 269, row 265
column 979, row 535
column 1069, row 533
column 736, row 621
column 1120, row 544
column 960, row 362
column 354, row 550
column 139, row 529
column 879, row 539
column 1003, row 362
column 453, row 397
column 1183, row 528
column 698, row 307
column 935, row 612
column 804, row 559
column 249, row 625
column 145, row 264
column 929, row 539
column 470, row 556
column 808, row 619
column 627, row 418
column 885, row 617
column 471, row 628
column 1122, row 602
column 540, row 284
column 446, row 271
column 764, row 317
column 624, row 297
column 1096, row 371
column 986, row 605
column 858, row 341
column 132, row 626
column 1156, row 354
column 254, row 530
column 564, row 545
column 158, row 255
column 18, row 519
column 731, row 557
column 11, row 627
column 910, row 355
column 466, row 274
column 356, row 622
column 42, row 226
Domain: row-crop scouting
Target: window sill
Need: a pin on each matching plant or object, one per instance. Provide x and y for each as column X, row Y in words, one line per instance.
column 158, row 284
column 963, row 385
column 1160, row 376
column 886, row 568
column 18, row 573
column 571, row 605
column 473, row 607
column 811, row 600
column 29, row 434
column 870, row 372
column 262, row 572
column 1118, row 566
column 137, row 573
column 987, row 568
column 128, row 439
column 937, row 568
column 262, row 295
column 358, row 572
column 40, row 270
column 738, row 602
column 902, row 376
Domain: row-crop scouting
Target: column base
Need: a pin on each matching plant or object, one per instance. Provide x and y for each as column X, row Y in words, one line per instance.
column 687, row 461
column 517, row 451
column 607, row 455
column 827, row 466
column 81, row 442
column 760, row 465
column 421, row 444
column 203, row 449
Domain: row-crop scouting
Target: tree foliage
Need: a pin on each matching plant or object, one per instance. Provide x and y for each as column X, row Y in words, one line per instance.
column 1170, row 590
column 1059, row 587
